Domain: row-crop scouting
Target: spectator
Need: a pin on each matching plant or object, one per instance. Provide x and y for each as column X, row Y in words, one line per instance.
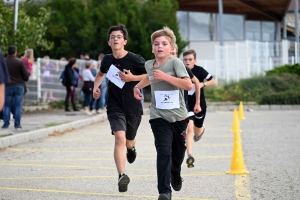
column 87, row 88
column 70, row 83
column 48, row 79
column 14, row 90
column 28, row 60
column 4, row 78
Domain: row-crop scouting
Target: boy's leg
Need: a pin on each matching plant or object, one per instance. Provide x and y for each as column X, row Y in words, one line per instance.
column 132, row 125
column 198, row 125
column 118, row 126
column 178, row 151
column 189, row 143
column 119, row 151
column 163, row 134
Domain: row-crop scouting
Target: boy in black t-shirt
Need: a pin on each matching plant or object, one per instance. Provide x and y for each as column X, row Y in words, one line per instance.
column 196, row 119
column 123, row 110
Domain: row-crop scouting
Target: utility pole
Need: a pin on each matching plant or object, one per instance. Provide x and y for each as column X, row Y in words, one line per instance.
column 16, row 10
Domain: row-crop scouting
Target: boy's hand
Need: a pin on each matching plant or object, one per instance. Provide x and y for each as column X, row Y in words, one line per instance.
column 197, row 108
column 126, row 75
column 137, row 94
column 158, row 74
column 96, row 93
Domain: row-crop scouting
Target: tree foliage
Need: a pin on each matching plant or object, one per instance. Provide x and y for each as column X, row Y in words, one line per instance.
column 30, row 30
column 78, row 26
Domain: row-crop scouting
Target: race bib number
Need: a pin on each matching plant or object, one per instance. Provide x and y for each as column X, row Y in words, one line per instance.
column 167, row 99
column 192, row 91
column 113, row 76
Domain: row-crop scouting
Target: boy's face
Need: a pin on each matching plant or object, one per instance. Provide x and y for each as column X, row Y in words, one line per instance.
column 161, row 47
column 189, row 61
column 173, row 53
column 116, row 40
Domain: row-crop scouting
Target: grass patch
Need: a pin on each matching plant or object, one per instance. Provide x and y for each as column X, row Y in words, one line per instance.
column 53, row 124
column 5, row 135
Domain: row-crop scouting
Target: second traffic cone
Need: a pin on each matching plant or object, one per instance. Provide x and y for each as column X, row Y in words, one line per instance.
column 241, row 111
column 235, row 122
column 237, row 162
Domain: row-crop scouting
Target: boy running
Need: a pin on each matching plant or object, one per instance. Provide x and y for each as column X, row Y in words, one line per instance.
column 168, row 78
column 123, row 110
column 196, row 119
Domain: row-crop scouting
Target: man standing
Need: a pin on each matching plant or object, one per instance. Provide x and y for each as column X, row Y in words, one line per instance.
column 124, row 69
column 4, row 78
column 14, row 91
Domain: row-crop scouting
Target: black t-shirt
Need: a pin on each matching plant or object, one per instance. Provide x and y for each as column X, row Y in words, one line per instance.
column 122, row 100
column 191, row 75
column 201, row 74
column 4, row 75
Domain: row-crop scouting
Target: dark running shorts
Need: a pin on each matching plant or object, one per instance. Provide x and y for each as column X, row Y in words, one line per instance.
column 198, row 118
column 121, row 122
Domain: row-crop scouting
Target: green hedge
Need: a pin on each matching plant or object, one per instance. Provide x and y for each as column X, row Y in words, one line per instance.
column 290, row 69
column 286, row 89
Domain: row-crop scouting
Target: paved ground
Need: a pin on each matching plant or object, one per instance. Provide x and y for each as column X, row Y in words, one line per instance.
column 79, row 164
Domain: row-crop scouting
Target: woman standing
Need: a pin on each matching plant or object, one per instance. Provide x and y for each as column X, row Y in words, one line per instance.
column 70, row 83
column 28, row 59
column 87, row 88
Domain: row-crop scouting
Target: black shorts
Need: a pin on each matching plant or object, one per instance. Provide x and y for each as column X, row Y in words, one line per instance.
column 198, row 118
column 124, row 122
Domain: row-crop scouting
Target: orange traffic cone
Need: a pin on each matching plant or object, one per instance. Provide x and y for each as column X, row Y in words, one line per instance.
column 241, row 111
column 237, row 162
column 235, row 122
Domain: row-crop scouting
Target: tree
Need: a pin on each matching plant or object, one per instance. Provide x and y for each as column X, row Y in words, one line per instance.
column 30, row 30
column 78, row 26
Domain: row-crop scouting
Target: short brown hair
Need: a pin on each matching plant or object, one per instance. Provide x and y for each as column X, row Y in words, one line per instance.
column 167, row 32
column 119, row 27
column 190, row 51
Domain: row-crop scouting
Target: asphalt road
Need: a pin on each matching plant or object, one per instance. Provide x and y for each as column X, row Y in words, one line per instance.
column 80, row 165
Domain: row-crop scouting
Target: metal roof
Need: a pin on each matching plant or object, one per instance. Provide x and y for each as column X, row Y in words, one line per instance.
column 266, row 10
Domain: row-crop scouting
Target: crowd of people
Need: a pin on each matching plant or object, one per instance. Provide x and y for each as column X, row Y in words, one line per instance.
column 177, row 109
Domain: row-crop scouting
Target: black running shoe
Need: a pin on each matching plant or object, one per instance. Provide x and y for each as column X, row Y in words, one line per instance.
column 165, row 196
column 131, row 154
column 190, row 161
column 123, row 182
column 176, row 182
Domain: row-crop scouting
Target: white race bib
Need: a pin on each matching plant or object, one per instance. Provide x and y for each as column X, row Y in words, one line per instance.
column 167, row 99
column 113, row 76
column 192, row 91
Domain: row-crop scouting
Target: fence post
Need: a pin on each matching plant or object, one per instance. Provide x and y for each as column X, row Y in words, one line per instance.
column 38, row 80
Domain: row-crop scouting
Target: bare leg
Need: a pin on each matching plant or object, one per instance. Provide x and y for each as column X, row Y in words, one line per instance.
column 119, row 151
column 198, row 131
column 189, row 138
column 130, row 143
column 45, row 96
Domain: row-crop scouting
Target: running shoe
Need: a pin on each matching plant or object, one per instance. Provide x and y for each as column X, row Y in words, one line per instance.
column 176, row 182
column 123, row 182
column 197, row 138
column 131, row 155
column 190, row 161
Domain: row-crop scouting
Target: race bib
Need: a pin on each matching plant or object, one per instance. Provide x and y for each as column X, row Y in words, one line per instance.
column 192, row 91
column 113, row 76
column 167, row 99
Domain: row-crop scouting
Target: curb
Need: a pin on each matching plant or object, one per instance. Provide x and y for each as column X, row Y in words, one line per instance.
column 45, row 132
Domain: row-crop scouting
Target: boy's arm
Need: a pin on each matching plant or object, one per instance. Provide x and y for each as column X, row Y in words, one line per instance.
column 137, row 89
column 98, row 80
column 127, row 76
column 210, row 82
column 183, row 83
column 197, row 107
